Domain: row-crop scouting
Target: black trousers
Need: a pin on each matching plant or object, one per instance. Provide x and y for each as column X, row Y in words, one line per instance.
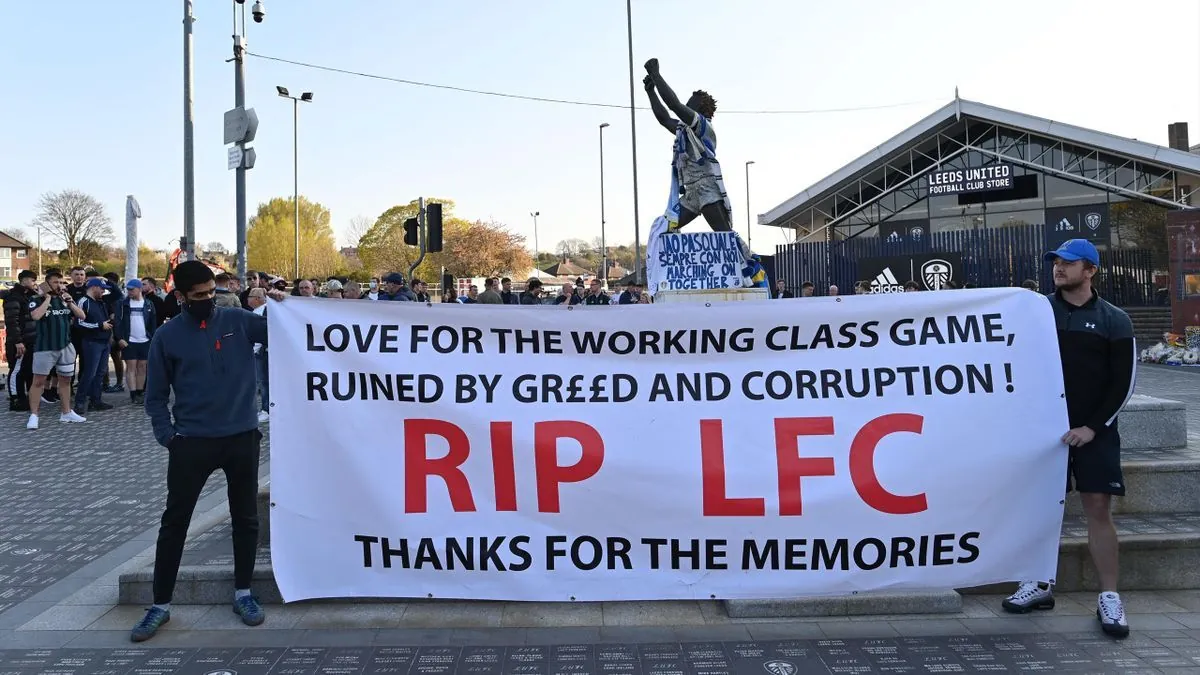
column 192, row 461
column 20, row 371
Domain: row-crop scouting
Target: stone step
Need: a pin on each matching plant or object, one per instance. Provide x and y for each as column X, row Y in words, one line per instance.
column 1147, row 422
column 1156, row 481
column 860, row 604
column 1159, row 551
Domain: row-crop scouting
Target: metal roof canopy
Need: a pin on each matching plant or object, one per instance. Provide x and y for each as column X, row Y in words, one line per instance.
column 885, row 181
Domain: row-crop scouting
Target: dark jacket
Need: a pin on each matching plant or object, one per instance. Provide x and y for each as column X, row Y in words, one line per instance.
column 121, row 322
column 403, row 295
column 209, row 366
column 91, row 326
column 18, row 319
column 528, row 298
column 510, row 298
column 159, row 314
column 575, row 299
column 1098, row 353
column 601, row 299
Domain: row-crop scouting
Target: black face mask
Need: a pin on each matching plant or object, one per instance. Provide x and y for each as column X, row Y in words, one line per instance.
column 199, row 309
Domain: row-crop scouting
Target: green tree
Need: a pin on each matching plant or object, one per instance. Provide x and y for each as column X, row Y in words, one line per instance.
column 270, row 240
column 480, row 248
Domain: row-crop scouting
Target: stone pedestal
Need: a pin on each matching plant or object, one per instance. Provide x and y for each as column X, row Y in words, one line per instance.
column 715, row 295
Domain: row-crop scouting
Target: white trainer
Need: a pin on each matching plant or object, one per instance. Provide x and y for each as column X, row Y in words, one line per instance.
column 71, row 417
column 1030, row 595
column 32, row 423
column 263, row 416
column 1111, row 613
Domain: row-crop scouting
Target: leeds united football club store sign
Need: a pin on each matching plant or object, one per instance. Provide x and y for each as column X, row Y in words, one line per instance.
column 979, row 179
column 931, row 271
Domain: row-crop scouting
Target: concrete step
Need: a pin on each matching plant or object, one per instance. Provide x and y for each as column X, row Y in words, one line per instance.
column 1159, row 551
column 860, row 604
column 1156, row 481
column 1149, row 423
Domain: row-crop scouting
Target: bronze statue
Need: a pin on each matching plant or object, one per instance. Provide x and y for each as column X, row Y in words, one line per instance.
column 697, row 174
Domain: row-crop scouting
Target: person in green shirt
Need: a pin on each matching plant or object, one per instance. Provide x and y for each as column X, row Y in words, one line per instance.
column 52, row 349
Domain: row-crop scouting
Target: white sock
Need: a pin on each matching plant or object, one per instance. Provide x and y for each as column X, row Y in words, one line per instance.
column 240, row 593
column 165, row 608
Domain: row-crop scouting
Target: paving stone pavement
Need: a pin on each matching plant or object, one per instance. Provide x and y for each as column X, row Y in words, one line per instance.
column 72, row 493
column 1164, row 651
column 69, row 493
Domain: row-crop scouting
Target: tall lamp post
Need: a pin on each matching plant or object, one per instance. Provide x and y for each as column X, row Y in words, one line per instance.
column 534, row 215
column 637, row 231
column 603, row 242
column 748, row 202
column 306, row 97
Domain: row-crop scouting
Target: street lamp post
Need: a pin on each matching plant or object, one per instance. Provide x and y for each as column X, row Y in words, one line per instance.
column 603, row 241
column 306, row 97
column 637, row 236
column 39, row 245
column 534, row 215
column 748, row 203
column 189, row 164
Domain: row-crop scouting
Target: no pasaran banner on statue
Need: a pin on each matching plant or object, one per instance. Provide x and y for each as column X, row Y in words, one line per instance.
column 742, row 450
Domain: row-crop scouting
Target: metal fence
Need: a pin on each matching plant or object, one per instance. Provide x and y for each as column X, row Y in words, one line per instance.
column 990, row 258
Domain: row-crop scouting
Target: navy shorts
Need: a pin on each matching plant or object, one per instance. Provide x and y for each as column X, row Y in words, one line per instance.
column 136, row 351
column 1096, row 467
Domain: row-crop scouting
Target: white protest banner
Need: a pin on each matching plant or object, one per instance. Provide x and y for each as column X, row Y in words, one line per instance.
column 742, row 450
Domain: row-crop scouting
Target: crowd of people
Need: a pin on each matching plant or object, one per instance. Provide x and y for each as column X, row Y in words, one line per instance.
column 62, row 332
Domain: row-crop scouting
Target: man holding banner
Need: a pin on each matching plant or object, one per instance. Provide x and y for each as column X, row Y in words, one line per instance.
column 1095, row 340
column 205, row 358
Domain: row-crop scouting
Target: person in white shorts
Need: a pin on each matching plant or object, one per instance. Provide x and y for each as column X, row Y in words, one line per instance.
column 52, row 349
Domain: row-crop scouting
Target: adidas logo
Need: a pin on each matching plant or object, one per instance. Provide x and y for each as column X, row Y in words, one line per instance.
column 886, row 282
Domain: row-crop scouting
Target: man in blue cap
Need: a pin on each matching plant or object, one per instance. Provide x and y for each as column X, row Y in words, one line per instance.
column 394, row 289
column 1099, row 361
column 96, row 340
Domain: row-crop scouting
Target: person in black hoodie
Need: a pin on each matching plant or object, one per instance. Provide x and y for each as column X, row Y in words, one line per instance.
column 205, row 357
column 96, row 337
column 506, row 293
column 533, row 293
column 21, row 332
column 113, row 298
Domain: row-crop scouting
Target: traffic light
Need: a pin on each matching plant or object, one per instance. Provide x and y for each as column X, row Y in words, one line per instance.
column 410, row 232
column 433, row 227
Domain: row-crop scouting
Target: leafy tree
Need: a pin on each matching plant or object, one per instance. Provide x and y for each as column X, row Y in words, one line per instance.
column 75, row 219
column 270, row 240
column 482, row 249
column 469, row 248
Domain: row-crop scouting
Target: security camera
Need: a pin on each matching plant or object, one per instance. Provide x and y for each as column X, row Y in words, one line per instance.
column 259, row 12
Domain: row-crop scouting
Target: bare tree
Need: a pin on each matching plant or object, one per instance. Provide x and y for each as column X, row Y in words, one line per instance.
column 356, row 229
column 215, row 247
column 76, row 219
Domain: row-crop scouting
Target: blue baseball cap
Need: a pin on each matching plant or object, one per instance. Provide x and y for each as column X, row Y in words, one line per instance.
column 94, row 282
column 133, row 283
column 1075, row 249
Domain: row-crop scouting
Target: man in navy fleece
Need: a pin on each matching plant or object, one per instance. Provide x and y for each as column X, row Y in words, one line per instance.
column 205, row 356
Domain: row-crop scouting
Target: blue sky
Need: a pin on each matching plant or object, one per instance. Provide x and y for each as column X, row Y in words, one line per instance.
column 94, row 97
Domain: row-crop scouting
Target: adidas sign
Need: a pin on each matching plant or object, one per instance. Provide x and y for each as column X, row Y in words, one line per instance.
column 886, row 282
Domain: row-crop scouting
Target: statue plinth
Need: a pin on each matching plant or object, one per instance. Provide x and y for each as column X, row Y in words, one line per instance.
column 715, row 295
